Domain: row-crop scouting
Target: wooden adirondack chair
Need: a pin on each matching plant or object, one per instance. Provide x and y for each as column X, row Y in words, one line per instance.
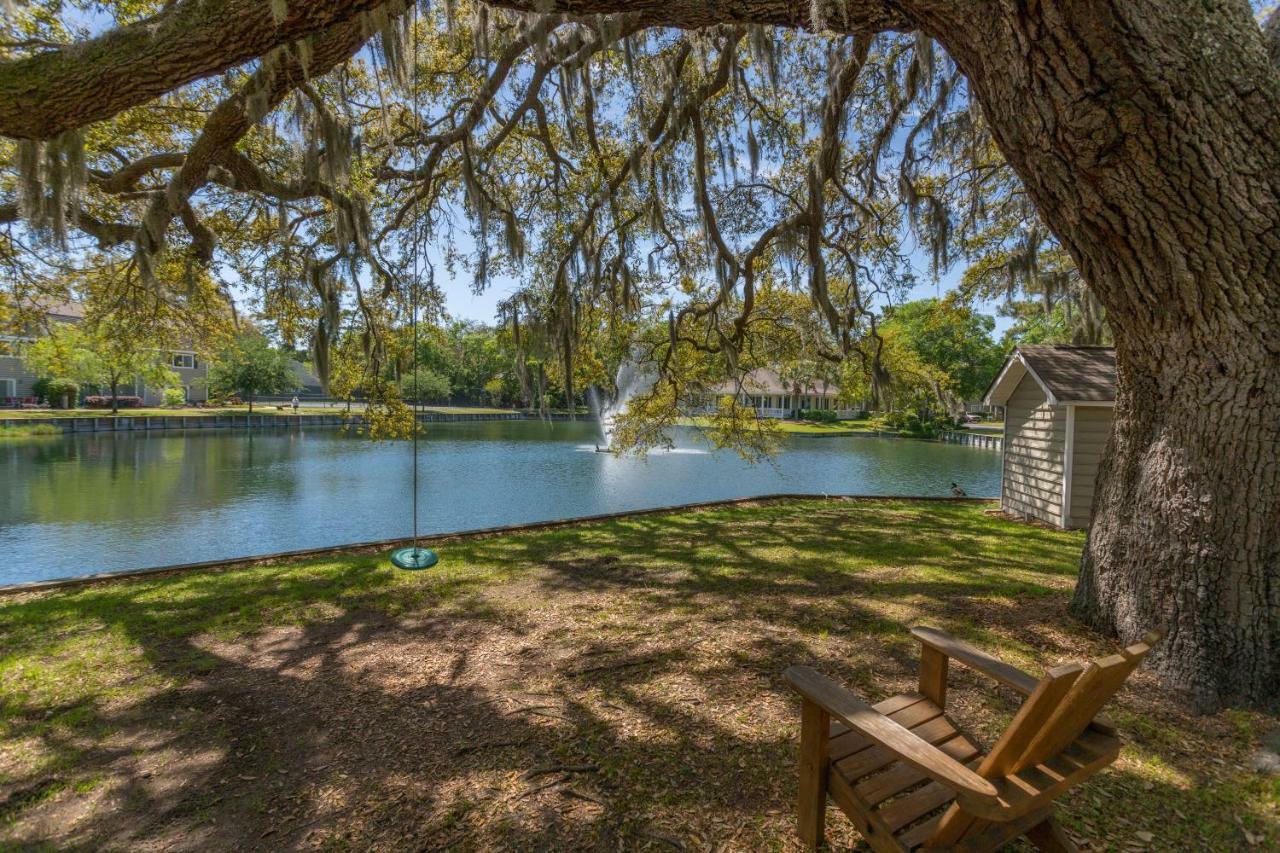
column 908, row 776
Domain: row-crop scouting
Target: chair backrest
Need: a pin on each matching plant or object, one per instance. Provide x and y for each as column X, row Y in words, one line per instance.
column 1056, row 713
column 1063, row 705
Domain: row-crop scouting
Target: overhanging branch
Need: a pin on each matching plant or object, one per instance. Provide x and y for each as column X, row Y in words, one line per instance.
column 58, row 90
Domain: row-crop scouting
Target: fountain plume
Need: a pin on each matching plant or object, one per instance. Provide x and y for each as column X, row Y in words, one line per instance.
column 630, row 380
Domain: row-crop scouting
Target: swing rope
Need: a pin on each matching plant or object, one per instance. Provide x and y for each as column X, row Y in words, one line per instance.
column 415, row 558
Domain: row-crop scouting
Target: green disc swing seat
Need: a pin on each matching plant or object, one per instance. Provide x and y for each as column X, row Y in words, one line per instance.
column 414, row 559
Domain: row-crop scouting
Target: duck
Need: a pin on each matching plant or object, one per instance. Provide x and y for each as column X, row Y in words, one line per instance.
column 958, row 492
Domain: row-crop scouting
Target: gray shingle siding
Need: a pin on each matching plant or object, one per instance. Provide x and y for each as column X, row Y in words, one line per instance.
column 1031, row 481
column 11, row 368
column 1092, row 427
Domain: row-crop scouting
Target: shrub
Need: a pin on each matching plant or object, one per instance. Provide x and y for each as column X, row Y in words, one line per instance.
column 174, row 398
column 29, row 431
column 820, row 415
column 59, row 393
column 894, row 420
column 942, row 423
column 99, row 401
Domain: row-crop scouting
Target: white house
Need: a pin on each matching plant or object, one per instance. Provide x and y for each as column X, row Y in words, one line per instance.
column 1058, row 404
column 764, row 390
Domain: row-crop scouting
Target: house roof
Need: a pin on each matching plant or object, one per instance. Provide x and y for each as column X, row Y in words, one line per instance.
column 47, row 306
column 1066, row 374
column 63, row 310
column 763, row 380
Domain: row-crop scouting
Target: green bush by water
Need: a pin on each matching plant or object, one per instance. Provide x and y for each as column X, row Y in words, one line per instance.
column 824, row 416
column 29, row 431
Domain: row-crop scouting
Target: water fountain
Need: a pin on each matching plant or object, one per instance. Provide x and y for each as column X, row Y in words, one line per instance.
column 630, row 380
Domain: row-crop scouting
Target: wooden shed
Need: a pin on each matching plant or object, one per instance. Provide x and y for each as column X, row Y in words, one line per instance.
column 1058, row 404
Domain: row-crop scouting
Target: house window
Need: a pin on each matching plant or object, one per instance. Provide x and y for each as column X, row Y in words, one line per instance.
column 184, row 359
column 8, row 388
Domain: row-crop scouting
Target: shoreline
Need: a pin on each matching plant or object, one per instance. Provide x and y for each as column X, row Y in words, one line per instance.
column 141, row 423
column 8, row 590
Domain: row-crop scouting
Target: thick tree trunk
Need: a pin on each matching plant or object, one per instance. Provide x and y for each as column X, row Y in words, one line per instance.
column 115, row 398
column 1147, row 135
column 1186, row 533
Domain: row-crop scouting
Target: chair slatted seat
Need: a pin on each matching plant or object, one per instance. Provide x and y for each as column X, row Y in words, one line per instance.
column 910, row 778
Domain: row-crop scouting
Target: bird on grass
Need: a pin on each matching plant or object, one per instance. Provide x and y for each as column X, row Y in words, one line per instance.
column 958, row 492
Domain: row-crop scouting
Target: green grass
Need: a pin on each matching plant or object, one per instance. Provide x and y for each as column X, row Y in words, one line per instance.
column 648, row 648
column 804, row 427
column 837, row 428
column 469, row 410
column 191, row 411
column 153, row 411
column 23, row 431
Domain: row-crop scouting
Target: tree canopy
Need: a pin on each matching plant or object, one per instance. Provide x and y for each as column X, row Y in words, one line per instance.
column 654, row 193
column 658, row 176
column 249, row 367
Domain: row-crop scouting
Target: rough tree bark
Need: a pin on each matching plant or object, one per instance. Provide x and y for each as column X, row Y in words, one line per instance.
column 57, row 90
column 1147, row 134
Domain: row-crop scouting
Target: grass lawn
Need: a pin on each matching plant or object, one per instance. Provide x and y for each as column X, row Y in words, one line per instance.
column 837, row 428
column 30, row 431
column 258, row 409
column 804, row 427
column 611, row 685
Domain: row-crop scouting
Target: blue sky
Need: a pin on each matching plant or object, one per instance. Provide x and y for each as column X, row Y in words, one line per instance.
column 463, row 304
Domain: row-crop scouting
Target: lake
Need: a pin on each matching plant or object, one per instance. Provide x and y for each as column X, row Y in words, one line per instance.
column 88, row 503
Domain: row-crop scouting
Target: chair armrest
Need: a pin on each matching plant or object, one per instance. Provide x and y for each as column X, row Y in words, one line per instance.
column 911, row 749
column 1006, row 674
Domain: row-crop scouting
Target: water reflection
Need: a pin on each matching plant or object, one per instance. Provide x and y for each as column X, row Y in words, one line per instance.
column 103, row 502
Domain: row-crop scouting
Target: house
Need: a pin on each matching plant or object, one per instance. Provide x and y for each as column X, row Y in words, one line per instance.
column 16, row 381
column 1058, row 405
column 193, row 376
column 765, row 391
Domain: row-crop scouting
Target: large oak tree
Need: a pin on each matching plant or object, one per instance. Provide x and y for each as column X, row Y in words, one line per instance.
column 1146, row 134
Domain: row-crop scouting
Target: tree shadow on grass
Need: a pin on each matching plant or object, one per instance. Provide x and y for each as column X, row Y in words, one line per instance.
column 359, row 725
column 606, row 686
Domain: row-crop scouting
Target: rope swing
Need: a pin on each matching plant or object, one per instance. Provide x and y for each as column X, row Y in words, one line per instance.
column 415, row 558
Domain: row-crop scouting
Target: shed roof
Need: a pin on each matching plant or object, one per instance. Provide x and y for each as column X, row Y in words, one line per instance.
column 1066, row 374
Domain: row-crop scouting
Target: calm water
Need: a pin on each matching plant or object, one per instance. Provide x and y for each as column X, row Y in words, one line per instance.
column 93, row 503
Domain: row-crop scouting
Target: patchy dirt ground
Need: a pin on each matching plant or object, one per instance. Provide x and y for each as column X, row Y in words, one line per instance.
column 613, row 686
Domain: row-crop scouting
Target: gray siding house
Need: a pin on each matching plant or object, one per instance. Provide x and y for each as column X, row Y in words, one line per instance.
column 16, row 381
column 1058, row 403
